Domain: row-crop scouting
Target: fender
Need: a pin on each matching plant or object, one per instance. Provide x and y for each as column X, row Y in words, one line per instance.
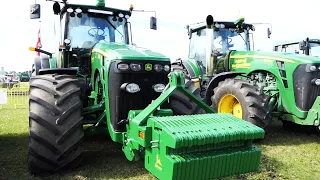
column 68, row 71
column 37, row 64
column 41, row 62
column 187, row 66
column 45, row 63
column 214, row 82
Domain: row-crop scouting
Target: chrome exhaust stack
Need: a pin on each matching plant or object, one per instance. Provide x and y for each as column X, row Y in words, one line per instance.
column 209, row 45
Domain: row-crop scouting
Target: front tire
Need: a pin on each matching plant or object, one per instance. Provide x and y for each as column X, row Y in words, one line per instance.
column 247, row 102
column 55, row 123
column 180, row 103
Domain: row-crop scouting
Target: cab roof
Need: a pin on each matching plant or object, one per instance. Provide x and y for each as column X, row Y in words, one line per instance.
column 227, row 24
column 84, row 8
column 295, row 41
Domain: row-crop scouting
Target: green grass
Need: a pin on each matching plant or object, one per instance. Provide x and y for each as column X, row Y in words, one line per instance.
column 286, row 155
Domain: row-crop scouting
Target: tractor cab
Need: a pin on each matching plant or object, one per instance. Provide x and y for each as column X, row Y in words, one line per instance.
column 221, row 37
column 81, row 27
column 86, row 26
column 309, row 47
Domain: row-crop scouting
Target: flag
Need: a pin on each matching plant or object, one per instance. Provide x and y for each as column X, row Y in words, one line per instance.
column 38, row 45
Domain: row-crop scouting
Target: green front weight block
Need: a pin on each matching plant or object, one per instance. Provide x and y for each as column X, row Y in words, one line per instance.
column 202, row 146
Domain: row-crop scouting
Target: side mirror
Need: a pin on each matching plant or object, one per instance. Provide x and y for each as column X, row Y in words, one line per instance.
column 190, row 33
column 302, row 45
column 153, row 23
column 269, row 32
column 35, row 11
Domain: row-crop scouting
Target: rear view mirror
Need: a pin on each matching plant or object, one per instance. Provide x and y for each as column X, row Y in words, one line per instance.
column 302, row 45
column 269, row 32
column 35, row 11
column 153, row 23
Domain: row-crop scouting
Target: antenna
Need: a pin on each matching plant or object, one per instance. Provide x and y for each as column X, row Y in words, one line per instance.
column 239, row 14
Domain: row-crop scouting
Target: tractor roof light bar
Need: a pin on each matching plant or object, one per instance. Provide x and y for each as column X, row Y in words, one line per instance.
column 155, row 14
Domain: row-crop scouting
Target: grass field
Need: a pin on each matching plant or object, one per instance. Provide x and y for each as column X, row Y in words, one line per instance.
column 286, row 155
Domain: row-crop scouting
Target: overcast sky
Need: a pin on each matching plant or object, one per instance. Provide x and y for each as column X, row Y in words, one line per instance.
column 290, row 20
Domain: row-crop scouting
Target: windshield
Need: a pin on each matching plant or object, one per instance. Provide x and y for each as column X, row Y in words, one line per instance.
column 86, row 31
column 224, row 40
column 314, row 49
column 229, row 39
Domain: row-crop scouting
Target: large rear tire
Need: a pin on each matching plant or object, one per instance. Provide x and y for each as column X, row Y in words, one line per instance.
column 180, row 103
column 240, row 98
column 55, row 123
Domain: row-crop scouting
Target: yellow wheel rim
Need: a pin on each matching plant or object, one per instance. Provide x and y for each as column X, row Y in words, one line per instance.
column 230, row 104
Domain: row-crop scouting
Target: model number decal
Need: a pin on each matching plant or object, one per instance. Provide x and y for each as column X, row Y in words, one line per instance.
column 267, row 60
column 241, row 63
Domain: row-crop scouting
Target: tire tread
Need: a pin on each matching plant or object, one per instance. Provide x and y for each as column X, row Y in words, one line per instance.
column 55, row 124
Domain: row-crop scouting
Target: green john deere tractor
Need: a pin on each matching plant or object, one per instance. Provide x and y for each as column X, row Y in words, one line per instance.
column 255, row 86
column 24, row 76
column 97, row 78
column 309, row 47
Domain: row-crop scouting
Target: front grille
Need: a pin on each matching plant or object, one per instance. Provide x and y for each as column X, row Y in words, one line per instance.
column 305, row 92
column 120, row 101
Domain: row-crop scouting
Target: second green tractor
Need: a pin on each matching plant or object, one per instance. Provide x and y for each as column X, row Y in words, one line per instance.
column 255, row 86
column 308, row 46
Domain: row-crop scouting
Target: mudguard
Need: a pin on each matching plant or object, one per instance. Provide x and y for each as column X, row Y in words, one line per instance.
column 41, row 62
column 214, row 82
column 193, row 70
column 69, row 71
column 37, row 64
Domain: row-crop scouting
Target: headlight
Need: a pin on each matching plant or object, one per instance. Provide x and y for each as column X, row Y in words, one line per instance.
column 158, row 67
column 123, row 66
column 135, row 67
column 130, row 87
column 313, row 68
column 70, row 10
column 78, row 10
column 67, row 41
column 166, row 68
column 316, row 81
column 158, row 87
column 121, row 15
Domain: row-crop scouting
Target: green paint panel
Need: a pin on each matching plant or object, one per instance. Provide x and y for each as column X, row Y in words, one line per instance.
column 202, row 146
column 128, row 52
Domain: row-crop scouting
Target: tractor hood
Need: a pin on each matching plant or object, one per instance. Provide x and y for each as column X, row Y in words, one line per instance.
column 128, row 52
column 291, row 57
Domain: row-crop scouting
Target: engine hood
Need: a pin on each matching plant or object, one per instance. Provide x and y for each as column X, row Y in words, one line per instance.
column 127, row 52
column 289, row 57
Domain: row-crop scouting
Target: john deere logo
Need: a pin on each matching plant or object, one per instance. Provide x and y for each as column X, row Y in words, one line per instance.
column 158, row 163
column 148, row 67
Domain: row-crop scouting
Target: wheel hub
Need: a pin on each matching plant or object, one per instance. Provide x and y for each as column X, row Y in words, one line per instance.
column 230, row 104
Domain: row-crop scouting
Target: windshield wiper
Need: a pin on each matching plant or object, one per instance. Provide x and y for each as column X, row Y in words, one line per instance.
column 243, row 39
column 114, row 27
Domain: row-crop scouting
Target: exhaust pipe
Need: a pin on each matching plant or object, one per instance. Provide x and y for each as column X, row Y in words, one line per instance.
column 209, row 45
